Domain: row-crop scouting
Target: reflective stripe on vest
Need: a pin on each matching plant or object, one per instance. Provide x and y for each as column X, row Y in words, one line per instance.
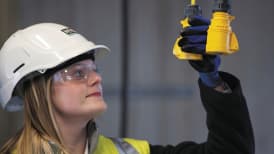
column 121, row 146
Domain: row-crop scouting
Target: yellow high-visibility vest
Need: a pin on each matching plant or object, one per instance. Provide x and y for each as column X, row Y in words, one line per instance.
column 99, row 144
column 122, row 146
column 107, row 145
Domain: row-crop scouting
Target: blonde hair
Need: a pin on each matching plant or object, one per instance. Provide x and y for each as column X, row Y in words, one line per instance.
column 40, row 133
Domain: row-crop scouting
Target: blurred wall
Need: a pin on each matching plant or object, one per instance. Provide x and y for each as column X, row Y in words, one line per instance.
column 10, row 122
column 164, row 103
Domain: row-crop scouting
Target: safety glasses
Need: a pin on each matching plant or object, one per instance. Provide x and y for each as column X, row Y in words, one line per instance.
column 78, row 72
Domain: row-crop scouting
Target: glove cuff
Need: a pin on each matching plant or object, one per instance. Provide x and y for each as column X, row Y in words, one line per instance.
column 211, row 79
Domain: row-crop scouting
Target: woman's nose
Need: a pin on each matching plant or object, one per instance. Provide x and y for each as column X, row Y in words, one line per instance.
column 94, row 78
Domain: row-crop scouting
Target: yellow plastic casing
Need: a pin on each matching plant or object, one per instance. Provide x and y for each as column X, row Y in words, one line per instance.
column 220, row 38
column 181, row 54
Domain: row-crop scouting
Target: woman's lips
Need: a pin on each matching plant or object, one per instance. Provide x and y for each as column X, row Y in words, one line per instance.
column 95, row 94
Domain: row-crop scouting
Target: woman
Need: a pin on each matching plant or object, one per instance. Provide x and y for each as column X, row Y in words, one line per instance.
column 54, row 77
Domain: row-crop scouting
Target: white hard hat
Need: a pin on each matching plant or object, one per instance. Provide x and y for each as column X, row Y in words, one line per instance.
column 36, row 49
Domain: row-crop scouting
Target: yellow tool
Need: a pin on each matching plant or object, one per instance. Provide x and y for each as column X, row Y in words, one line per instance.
column 190, row 10
column 220, row 38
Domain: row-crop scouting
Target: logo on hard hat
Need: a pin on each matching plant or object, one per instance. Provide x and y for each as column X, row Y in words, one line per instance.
column 69, row 31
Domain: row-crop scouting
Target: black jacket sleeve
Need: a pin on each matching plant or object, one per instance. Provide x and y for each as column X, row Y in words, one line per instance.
column 228, row 122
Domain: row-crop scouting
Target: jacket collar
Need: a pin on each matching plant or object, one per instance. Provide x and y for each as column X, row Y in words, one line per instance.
column 93, row 136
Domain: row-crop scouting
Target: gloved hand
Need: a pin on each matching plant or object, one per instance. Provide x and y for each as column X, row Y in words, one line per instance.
column 194, row 41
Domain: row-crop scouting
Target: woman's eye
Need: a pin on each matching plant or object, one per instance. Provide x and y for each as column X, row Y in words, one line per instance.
column 78, row 74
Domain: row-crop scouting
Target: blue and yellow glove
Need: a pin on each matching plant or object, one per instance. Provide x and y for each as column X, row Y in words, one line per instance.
column 194, row 41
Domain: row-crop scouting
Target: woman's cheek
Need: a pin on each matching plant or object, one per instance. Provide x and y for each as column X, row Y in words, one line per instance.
column 68, row 97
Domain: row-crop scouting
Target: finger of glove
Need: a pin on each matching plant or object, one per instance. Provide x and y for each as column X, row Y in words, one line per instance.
column 198, row 20
column 193, row 44
column 193, row 39
column 194, row 48
column 194, row 30
column 210, row 63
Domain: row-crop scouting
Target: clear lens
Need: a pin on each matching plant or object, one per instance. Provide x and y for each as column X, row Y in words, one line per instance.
column 78, row 72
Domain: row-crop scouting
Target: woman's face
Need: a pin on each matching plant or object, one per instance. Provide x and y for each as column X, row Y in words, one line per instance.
column 77, row 91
